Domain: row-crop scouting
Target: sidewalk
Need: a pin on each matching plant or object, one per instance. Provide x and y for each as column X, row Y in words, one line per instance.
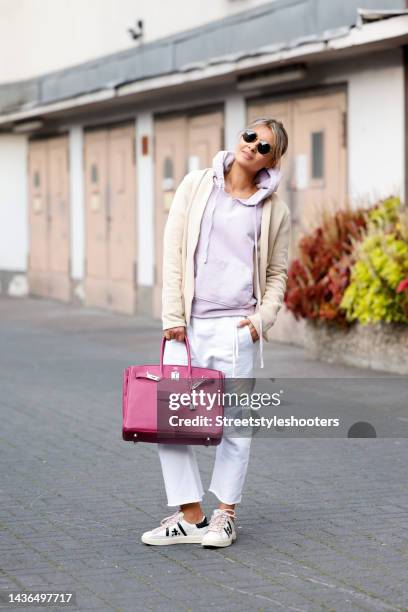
column 323, row 524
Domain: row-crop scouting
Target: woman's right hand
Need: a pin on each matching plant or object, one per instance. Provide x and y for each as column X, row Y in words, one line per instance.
column 175, row 333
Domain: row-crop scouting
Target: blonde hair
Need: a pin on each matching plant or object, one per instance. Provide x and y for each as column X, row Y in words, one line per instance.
column 281, row 136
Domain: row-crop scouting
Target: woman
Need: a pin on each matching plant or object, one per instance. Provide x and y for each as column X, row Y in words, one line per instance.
column 227, row 299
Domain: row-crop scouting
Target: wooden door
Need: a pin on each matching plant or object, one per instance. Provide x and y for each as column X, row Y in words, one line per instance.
column 110, row 195
column 96, row 221
column 314, row 167
column 204, row 139
column 59, row 219
column 319, row 150
column 121, row 212
column 314, row 170
column 38, row 219
column 49, row 219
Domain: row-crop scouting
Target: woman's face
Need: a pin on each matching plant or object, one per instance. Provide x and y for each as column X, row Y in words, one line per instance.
column 247, row 154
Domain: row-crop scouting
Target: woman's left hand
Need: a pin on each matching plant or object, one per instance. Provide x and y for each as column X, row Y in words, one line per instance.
column 252, row 329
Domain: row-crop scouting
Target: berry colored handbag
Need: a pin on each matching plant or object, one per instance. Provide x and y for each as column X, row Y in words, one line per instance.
column 193, row 418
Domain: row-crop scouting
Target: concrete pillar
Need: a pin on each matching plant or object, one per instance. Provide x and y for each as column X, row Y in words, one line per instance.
column 77, row 210
column 235, row 119
column 145, row 208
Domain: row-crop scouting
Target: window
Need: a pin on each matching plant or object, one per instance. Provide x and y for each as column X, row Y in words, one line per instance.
column 94, row 173
column 168, row 174
column 317, row 155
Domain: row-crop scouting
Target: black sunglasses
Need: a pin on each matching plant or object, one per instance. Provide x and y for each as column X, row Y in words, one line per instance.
column 263, row 147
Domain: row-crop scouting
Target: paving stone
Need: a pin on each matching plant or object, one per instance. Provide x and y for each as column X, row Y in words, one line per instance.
column 322, row 525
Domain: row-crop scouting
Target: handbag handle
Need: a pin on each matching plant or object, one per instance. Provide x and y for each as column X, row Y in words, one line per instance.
column 186, row 342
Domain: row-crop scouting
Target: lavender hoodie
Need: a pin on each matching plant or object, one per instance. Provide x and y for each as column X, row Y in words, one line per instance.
column 230, row 229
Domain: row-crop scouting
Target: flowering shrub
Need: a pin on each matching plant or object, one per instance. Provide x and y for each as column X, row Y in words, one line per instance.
column 318, row 278
column 353, row 267
column 385, row 214
column 379, row 276
column 403, row 286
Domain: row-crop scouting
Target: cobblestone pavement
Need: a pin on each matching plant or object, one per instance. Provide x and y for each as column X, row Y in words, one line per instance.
column 323, row 524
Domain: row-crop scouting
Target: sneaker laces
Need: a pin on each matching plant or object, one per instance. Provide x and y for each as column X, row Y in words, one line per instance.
column 169, row 520
column 219, row 518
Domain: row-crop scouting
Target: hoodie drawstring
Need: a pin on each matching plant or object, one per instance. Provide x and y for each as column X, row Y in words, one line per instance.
column 214, row 202
column 258, row 289
column 235, row 340
column 235, row 345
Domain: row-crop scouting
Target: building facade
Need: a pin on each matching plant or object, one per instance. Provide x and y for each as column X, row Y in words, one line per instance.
column 91, row 154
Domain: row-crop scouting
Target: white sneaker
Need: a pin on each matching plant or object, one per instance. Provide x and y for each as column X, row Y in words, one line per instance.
column 175, row 530
column 221, row 530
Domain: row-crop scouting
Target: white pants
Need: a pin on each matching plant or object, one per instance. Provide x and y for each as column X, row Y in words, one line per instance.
column 215, row 343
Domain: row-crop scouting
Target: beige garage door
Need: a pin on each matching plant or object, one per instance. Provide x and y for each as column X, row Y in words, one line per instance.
column 315, row 164
column 110, row 184
column 181, row 144
column 49, row 219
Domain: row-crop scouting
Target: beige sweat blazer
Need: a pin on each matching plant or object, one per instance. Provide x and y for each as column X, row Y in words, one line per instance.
column 180, row 240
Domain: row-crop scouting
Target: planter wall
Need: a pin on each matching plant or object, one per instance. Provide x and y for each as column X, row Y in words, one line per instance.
column 287, row 329
column 379, row 347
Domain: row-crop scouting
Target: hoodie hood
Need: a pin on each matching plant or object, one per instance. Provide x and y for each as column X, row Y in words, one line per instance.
column 267, row 180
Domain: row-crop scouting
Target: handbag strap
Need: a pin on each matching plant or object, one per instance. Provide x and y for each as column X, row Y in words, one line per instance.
column 187, row 344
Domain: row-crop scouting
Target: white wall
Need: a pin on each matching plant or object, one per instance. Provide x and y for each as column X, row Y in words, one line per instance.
column 376, row 133
column 375, row 125
column 38, row 36
column 13, row 203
